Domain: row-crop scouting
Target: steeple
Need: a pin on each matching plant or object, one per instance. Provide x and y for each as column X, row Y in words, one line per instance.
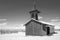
column 34, row 12
column 34, row 4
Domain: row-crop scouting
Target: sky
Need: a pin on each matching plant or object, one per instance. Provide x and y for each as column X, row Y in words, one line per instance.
column 15, row 12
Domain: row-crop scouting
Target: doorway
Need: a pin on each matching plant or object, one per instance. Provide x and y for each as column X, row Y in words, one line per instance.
column 48, row 30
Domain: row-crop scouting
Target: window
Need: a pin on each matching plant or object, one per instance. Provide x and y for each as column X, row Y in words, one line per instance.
column 32, row 16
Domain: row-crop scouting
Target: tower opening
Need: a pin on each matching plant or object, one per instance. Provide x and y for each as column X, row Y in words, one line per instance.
column 34, row 12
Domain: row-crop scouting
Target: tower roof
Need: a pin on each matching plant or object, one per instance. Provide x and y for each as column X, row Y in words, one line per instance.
column 34, row 8
column 34, row 11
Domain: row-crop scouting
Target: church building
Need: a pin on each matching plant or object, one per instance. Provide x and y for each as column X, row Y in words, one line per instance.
column 36, row 28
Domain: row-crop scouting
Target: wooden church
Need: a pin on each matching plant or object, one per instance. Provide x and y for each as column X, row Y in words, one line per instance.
column 36, row 28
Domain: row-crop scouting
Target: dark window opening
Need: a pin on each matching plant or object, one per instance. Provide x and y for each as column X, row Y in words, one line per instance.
column 36, row 17
column 32, row 16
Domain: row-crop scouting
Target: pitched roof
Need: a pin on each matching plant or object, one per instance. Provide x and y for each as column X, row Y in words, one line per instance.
column 40, row 22
column 34, row 21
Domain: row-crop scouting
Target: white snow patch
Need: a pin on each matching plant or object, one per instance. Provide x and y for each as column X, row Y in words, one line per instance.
column 22, row 36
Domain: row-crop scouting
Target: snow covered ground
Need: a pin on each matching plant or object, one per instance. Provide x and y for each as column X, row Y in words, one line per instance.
column 22, row 36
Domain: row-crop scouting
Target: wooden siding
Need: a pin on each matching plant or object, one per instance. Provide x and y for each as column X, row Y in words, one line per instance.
column 51, row 28
column 34, row 28
column 29, row 29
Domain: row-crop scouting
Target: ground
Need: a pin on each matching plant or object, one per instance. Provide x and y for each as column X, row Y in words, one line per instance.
column 22, row 36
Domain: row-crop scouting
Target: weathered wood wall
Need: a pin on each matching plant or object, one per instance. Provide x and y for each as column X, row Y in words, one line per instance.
column 34, row 28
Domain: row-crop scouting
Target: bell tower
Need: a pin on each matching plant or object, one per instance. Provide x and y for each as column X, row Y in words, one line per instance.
column 34, row 12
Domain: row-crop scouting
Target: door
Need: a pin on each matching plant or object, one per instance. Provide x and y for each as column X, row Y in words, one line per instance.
column 48, row 30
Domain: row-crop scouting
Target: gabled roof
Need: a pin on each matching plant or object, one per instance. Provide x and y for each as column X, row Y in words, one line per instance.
column 34, row 21
column 40, row 22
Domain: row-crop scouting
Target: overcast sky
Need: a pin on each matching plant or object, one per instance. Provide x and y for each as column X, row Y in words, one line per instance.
column 17, row 11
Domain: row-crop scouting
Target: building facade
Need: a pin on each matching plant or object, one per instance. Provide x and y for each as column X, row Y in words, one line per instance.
column 34, row 27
